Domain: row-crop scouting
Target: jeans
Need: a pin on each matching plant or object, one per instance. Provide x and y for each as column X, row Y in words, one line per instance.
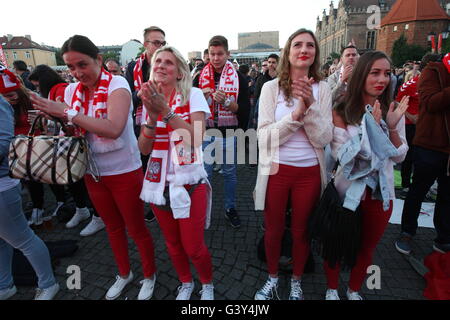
column 15, row 233
column 228, row 161
column 429, row 165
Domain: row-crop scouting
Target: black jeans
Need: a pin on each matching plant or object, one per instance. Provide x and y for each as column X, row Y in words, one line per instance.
column 408, row 163
column 429, row 165
column 36, row 190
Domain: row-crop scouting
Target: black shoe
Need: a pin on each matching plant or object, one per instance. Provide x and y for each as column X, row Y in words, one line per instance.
column 442, row 248
column 150, row 216
column 233, row 217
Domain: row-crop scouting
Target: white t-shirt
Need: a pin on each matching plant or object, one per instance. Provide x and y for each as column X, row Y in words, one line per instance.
column 197, row 103
column 297, row 151
column 126, row 159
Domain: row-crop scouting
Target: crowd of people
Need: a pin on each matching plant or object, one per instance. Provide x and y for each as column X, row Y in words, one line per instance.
column 154, row 131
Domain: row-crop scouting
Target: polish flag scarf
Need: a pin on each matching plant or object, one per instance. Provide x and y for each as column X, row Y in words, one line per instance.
column 186, row 161
column 80, row 103
column 446, row 61
column 138, row 81
column 229, row 83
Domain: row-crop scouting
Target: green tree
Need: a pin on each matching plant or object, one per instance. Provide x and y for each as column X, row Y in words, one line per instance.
column 110, row 55
column 59, row 59
column 446, row 46
column 402, row 51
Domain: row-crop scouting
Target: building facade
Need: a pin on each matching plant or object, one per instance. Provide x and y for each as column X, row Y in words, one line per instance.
column 348, row 23
column 130, row 50
column 256, row 46
column 25, row 49
column 418, row 20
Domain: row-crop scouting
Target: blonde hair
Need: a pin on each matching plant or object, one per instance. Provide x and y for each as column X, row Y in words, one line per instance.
column 184, row 84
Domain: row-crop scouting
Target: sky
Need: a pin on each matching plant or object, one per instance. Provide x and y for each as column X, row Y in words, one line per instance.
column 188, row 24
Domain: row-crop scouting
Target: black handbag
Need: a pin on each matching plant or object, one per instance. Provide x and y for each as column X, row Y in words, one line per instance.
column 335, row 231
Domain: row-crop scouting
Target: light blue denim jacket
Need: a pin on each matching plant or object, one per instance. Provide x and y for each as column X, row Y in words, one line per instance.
column 367, row 170
column 6, row 134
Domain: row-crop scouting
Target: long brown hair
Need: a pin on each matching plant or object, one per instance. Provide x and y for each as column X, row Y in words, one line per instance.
column 284, row 67
column 352, row 108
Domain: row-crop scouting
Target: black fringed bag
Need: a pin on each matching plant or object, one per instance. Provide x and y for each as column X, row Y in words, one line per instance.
column 334, row 231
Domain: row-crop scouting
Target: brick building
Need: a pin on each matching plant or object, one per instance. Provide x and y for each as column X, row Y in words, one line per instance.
column 417, row 20
column 348, row 22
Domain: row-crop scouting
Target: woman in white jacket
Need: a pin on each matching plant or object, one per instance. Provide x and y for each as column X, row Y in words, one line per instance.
column 294, row 126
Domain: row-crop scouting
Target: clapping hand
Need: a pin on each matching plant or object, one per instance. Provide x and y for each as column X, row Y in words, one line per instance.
column 153, row 99
column 302, row 88
column 395, row 114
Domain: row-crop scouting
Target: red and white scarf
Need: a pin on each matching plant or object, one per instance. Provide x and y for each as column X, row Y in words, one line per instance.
column 80, row 103
column 187, row 163
column 138, row 81
column 229, row 83
column 446, row 61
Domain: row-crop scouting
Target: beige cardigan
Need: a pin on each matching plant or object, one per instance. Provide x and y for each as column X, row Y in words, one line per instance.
column 317, row 122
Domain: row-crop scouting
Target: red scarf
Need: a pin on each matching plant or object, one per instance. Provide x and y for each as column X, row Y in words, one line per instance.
column 80, row 99
column 229, row 83
column 138, row 81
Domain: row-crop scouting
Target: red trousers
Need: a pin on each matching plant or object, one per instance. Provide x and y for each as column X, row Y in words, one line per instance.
column 303, row 185
column 375, row 220
column 116, row 199
column 185, row 238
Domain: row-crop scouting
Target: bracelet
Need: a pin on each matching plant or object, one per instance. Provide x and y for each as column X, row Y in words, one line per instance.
column 393, row 130
column 149, row 126
column 148, row 137
column 169, row 116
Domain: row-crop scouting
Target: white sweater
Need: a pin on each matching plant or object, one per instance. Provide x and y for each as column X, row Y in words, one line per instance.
column 317, row 123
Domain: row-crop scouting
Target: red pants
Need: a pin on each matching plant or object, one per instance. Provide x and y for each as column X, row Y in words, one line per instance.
column 375, row 220
column 303, row 185
column 185, row 238
column 116, row 199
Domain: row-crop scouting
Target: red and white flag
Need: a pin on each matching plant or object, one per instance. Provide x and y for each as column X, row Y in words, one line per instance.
column 440, row 44
column 433, row 44
column 2, row 57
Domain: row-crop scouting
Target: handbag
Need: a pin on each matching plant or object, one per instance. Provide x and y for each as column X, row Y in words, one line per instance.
column 335, row 231
column 48, row 159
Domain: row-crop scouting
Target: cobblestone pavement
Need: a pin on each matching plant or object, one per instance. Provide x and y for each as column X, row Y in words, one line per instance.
column 237, row 271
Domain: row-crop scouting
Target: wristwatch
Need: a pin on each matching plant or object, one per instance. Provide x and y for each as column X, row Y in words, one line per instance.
column 227, row 102
column 70, row 114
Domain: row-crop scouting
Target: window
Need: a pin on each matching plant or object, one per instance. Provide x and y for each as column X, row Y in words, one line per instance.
column 407, row 27
column 395, row 28
column 27, row 55
column 370, row 41
column 15, row 55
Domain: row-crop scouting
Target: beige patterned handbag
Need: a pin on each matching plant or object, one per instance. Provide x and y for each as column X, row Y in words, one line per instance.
column 48, row 159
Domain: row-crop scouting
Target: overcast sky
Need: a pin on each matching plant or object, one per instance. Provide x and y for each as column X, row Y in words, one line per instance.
column 188, row 24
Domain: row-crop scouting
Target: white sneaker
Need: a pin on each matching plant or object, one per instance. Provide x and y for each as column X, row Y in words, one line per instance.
column 296, row 290
column 93, row 227
column 5, row 294
column 332, row 294
column 353, row 295
column 47, row 294
column 80, row 215
column 207, row 292
column 268, row 291
column 185, row 291
column 58, row 206
column 116, row 290
column 146, row 291
column 36, row 217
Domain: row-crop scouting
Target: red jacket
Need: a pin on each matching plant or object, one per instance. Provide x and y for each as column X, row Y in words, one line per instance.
column 57, row 91
column 410, row 89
